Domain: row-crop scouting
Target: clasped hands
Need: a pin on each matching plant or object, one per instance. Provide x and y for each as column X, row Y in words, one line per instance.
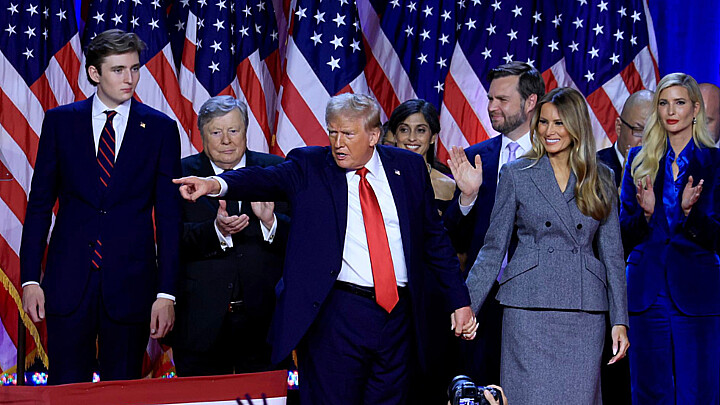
column 463, row 323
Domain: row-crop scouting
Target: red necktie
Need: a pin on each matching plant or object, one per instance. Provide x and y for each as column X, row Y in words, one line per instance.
column 386, row 293
column 106, row 163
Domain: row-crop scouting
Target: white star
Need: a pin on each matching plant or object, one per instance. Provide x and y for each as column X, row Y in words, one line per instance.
column 199, row 44
column 117, row 19
column 337, row 42
column 99, row 17
column 261, row 6
column 221, row 4
column 422, row 58
column 512, row 34
column 409, row 31
column 46, row 12
column 590, row 76
column 216, row 46
column 334, row 63
column 615, row 58
column 412, row 6
column 155, row 4
column 517, row 11
column 439, row 86
column 319, row 17
column 461, row 4
column 507, row 57
column 13, row 9
column 442, row 63
column 622, row 12
column 470, row 24
column 619, row 35
column 180, row 25
column 574, row 46
column 232, row 46
column 355, row 45
column 598, row 29
column 301, row 13
column 531, row 62
column 444, row 39
column 395, row 3
column 341, row 2
column 427, row 11
column 214, row 67
column 219, row 24
column 533, row 40
column 30, row 32
column 477, row 2
column 248, row 11
column 593, row 52
column 339, row 20
column 425, row 34
column 185, row 3
column 603, row 6
column 487, row 53
column 633, row 40
column 490, row 29
column 316, row 38
column 45, row 33
column 537, row 17
column 274, row 35
column 582, row 2
column 243, row 31
column 202, row 3
column 32, row 9
column 635, row 16
column 446, row 15
column 356, row 24
column 28, row 53
column 496, row 5
column 557, row 20
column 578, row 23
column 553, row 46
column 201, row 23
column 134, row 22
column 10, row 30
column 153, row 23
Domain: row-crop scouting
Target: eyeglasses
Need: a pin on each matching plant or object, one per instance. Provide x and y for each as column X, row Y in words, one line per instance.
column 636, row 131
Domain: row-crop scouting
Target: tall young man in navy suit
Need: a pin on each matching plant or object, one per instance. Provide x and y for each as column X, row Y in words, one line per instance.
column 112, row 260
column 515, row 88
column 364, row 234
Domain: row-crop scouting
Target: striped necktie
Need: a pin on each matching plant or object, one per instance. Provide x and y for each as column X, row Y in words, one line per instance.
column 106, row 150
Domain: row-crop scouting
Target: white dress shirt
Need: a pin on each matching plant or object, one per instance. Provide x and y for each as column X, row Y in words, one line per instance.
column 119, row 121
column 620, row 157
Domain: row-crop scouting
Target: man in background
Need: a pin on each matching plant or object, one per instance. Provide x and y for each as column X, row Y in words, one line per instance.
column 711, row 97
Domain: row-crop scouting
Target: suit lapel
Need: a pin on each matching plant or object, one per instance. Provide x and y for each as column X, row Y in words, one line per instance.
column 543, row 176
column 204, row 169
column 86, row 140
column 491, row 165
column 337, row 183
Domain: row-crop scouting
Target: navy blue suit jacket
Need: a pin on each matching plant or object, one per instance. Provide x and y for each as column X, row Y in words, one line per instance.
column 317, row 190
column 467, row 232
column 687, row 254
column 66, row 171
column 610, row 158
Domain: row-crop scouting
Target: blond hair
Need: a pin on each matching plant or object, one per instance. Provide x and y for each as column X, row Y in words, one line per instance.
column 595, row 191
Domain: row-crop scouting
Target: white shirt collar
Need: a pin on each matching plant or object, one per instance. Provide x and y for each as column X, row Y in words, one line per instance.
column 99, row 108
column 524, row 142
column 374, row 166
column 218, row 170
column 620, row 157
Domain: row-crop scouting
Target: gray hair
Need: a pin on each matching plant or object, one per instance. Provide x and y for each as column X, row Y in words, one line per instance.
column 218, row 106
column 354, row 105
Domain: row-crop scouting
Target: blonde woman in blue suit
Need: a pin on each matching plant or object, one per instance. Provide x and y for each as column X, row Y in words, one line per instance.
column 567, row 272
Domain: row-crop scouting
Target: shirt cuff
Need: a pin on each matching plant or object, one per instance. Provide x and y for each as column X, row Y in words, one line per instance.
column 225, row 242
column 166, row 296
column 27, row 283
column 465, row 209
column 223, row 187
column 269, row 234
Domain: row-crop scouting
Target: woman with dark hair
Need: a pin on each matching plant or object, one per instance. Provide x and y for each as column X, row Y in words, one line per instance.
column 416, row 126
column 567, row 272
column 670, row 220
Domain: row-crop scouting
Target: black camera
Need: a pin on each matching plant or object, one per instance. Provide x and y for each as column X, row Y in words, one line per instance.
column 463, row 391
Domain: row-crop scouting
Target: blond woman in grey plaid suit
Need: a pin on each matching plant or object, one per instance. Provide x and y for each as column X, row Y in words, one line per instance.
column 567, row 273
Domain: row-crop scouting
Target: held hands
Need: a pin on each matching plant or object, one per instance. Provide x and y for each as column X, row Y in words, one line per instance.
column 227, row 224
column 264, row 212
column 467, row 177
column 620, row 343
column 162, row 318
column 33, row 302
column 646, row 196
column 690, row 195
column 462, row 321
column 192, row 187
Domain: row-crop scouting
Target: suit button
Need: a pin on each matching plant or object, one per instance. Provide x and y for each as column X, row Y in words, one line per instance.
column 579, row 226
column 547, row 224
column 551, row 249
column 103, row 212
column 316, row 304
column 91, row 244
column 230, row 285
column 575, row 250
column 333, row 272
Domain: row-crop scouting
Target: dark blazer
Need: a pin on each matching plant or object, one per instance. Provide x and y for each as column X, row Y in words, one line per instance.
column 687, row 254
column 208, row 271
column 317, row 190
column 468, row 232
column 67, row 171
column 610, row 158
column 554, row 265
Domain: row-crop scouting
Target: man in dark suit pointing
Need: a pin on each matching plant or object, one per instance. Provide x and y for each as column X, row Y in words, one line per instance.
column 364, row 235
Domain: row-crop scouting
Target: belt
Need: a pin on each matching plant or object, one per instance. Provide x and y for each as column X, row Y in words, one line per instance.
column 236, row 306
column 365, row 292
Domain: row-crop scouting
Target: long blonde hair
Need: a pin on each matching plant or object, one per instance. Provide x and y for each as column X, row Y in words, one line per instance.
column 595, row 191
column 654, row 146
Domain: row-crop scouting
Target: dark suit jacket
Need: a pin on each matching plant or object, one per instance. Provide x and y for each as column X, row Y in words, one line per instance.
column 122, row 216
column 208, row 272
column 685, row 256
column 609, row 157
column 317, row 190
column 468, row 232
